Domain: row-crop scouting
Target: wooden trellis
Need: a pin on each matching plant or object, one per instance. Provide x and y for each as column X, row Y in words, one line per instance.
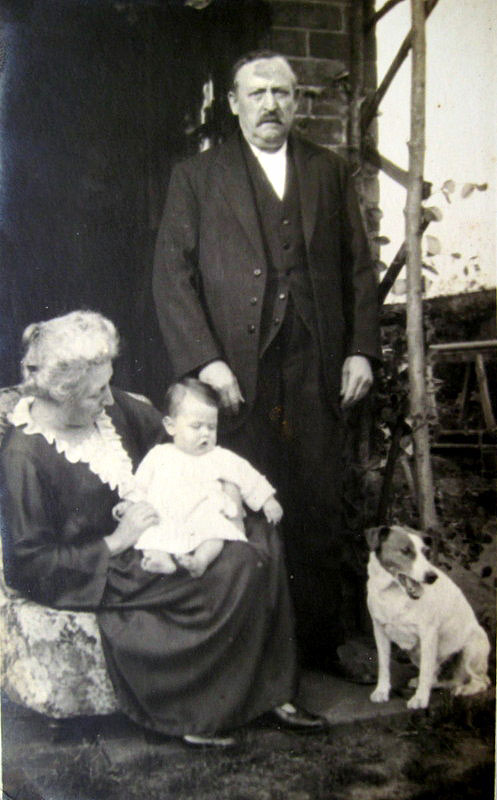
column 363, row 112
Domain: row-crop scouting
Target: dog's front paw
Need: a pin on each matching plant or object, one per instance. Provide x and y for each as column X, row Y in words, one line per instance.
column 418, row 701
column 380, row 694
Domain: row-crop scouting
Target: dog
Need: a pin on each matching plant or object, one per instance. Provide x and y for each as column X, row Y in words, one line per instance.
column 415, row 605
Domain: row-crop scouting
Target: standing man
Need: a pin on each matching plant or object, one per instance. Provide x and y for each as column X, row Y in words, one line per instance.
column 264, row 289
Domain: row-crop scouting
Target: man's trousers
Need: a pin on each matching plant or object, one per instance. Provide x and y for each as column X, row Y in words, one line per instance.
column 295, row 438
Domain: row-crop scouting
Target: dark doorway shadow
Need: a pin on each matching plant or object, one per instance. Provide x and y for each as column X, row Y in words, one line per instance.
column 99, row 100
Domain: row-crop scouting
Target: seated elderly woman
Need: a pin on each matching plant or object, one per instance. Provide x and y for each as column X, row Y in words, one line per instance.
column 189, row 657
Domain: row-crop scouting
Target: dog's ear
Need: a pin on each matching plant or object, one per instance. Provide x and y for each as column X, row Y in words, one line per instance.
column 374, row 536
column 427, row 546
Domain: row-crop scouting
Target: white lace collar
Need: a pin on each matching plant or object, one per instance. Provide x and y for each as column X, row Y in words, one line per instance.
column 102, row 450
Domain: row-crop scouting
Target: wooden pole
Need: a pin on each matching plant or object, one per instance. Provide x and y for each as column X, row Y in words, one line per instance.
column 380, row 14
column 399, row 261
column 369, row 109
column 357, row 81
column 418, row 399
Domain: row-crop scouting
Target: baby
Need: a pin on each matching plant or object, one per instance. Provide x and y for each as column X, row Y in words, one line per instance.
column 195, row 486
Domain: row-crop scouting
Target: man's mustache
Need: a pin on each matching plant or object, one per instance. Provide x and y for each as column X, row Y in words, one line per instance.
column 269, row 118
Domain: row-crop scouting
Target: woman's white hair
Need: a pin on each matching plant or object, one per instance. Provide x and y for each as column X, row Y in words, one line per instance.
column 60, row 352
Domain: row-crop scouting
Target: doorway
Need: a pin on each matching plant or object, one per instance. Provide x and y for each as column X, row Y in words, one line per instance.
column 99, row 100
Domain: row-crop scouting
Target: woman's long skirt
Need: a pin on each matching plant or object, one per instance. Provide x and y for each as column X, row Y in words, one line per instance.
column 202, row 655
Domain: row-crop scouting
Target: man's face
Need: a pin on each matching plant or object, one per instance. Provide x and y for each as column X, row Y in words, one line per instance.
column 265, row 101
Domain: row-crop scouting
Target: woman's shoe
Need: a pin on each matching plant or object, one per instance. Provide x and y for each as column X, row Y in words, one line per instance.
column 209, row 741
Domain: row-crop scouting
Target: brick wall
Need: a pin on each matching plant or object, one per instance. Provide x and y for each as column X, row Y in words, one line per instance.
column 316, row 36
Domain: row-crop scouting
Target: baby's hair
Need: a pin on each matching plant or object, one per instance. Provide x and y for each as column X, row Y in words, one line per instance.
column 178, row 391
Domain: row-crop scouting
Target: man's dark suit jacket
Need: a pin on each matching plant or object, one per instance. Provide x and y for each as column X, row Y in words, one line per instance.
column 210, row 264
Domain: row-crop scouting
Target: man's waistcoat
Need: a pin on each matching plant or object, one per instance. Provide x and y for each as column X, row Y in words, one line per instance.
column 283, row 235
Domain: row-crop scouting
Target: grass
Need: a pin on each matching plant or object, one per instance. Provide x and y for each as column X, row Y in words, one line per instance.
column 445, row 753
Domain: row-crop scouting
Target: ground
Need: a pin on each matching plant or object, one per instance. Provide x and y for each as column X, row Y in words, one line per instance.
column 370, row 752
column 444, row 753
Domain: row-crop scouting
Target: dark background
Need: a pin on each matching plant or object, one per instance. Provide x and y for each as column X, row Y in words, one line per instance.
column 99, row 99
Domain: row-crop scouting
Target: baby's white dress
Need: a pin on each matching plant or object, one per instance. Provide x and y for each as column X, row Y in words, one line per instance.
column 187, row 492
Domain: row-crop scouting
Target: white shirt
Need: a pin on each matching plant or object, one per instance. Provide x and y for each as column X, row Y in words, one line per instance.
column 274, row 165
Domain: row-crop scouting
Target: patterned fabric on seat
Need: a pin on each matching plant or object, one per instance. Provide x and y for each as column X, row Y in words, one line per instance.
column 51, row 661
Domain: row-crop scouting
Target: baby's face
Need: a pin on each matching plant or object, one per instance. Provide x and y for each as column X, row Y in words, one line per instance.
column 194, row 426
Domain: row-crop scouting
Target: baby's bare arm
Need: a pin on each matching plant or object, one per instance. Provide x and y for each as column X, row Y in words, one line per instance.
column 233, row 492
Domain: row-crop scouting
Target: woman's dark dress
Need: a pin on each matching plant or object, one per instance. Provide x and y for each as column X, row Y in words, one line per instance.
column 185, row 655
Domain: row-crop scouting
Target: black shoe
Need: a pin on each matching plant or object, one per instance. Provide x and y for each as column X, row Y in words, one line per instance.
column 209, row 741
column 289, row 716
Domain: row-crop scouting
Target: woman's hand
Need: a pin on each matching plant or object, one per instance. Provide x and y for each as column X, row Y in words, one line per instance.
column 136, row 519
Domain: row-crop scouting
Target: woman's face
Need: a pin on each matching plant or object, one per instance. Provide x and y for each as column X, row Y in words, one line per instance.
column 95, row 394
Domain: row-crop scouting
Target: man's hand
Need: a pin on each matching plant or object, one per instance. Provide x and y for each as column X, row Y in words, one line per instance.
column 357, row 377
column 218, row 375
